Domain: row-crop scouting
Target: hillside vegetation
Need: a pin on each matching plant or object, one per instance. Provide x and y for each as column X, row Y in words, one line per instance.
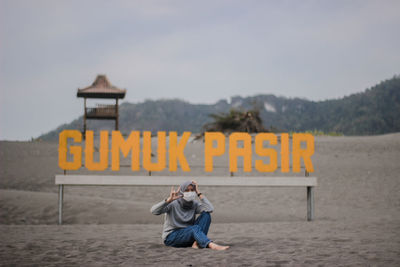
column 374, row 111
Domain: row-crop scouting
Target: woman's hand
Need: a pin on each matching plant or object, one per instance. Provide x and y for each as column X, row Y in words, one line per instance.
column 174, row 195
column 196, row 185
column 197, row 189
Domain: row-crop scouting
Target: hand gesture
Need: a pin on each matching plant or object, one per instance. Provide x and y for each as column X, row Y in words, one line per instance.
column 196, row 185
column 174, row 195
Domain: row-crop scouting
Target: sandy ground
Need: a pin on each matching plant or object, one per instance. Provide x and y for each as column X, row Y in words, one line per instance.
column 357, row 213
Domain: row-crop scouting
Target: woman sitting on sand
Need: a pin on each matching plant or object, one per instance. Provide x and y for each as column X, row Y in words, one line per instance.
column 181, row 228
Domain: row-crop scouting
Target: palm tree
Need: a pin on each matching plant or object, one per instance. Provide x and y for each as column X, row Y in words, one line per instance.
column 236, row 121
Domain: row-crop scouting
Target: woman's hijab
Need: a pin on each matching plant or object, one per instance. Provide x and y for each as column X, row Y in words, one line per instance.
column 185, row 204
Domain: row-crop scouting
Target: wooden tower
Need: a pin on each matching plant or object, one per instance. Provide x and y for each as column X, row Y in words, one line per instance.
column 101, row 89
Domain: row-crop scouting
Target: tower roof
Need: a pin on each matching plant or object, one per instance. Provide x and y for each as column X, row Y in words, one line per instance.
column 101, row 88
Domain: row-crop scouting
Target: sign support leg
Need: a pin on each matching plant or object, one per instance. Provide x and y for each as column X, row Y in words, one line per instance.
column 60, row 202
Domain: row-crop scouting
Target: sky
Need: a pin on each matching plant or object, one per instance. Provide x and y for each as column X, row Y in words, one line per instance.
column 198, row 51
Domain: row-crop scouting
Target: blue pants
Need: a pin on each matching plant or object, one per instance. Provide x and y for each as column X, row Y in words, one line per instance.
column 185, row 237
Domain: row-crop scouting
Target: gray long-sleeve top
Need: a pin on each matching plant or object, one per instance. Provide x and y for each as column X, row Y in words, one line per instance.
column 176, row 217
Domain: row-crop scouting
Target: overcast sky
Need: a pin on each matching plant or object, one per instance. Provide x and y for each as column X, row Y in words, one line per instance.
column 199, row 51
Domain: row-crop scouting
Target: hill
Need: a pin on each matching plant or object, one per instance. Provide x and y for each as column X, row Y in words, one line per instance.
column 374, row 111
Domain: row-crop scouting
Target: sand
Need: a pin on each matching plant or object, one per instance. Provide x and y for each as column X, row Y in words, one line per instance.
column 357, row 214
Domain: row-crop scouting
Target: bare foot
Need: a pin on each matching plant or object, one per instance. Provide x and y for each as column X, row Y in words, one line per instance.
column 195, row 245
column 214, row 246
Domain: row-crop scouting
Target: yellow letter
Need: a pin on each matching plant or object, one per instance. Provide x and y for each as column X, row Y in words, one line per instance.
column 284, row 152
column 176, row 151
column 118, row 143
column 268, row 152
column 89, row 150
column 161, row 151
column 303, row 153
column 210, row 151
column 76, row 151
column 235, row 151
